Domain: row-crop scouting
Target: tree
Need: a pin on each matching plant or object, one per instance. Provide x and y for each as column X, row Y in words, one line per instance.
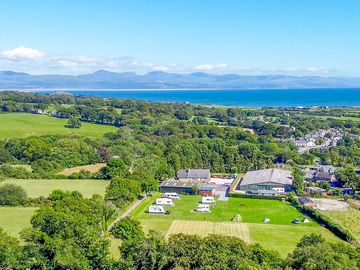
column 12, row 195
column 122, row 191
column 349, row 177
column 298, row 180
column 313, row 253
column 73, row 122
column 116, row 167
column 128, row 229
column 149, row 186
column 10, row 252
column 67, row 233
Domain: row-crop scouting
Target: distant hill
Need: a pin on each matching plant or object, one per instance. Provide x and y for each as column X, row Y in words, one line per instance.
column 161, row 80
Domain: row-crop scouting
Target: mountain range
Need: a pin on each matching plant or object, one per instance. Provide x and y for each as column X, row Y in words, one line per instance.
column 102, row 79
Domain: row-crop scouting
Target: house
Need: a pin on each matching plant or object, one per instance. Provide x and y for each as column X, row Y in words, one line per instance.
column 207, row 190
column 179, row 187
column 306, row 202
column 267, row 180
column 164, row 201
column 208, row 200
column 202, row 175
column 315, row 191
column 324, row 176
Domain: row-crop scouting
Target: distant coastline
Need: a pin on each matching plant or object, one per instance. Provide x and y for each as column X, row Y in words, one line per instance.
column 239, row 97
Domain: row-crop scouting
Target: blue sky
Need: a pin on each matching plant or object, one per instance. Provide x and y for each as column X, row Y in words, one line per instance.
column 301, row 37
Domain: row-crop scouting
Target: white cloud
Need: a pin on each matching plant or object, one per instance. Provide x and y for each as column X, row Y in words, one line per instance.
column 34, row 61
column 23, row 53
column 209, row 67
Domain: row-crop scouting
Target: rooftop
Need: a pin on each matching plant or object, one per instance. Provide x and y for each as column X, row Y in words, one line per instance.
column 193, row 174
column 267, row 175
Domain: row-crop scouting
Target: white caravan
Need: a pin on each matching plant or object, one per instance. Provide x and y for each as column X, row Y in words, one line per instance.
column 203, row 208
column 164, row 201
column 208, row 200
column 171, row 195
column 156, row 209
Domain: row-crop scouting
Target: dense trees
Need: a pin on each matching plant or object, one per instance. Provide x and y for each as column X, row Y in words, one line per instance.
column 122, row 191
column 314, row 253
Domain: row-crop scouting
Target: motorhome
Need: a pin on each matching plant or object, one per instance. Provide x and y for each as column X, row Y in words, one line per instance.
column 203, row 208
column 208, row 200
column 164, row 201
column 156, row 209
column 171, row 195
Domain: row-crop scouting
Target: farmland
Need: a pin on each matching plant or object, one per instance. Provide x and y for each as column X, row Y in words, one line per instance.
column 93, row 168
column 15, row 125
column 279, row 234
column 14, row 219
column 35, row 188
column 348, row 219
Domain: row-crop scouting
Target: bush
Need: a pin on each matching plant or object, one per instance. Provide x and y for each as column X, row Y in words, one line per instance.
column 12, row 195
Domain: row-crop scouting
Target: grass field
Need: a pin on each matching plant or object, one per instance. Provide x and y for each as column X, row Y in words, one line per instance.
column 14, row 219
column 93, row 168
column 349, row 219
column 15, row 125
column 36, row 187
column 279, row 234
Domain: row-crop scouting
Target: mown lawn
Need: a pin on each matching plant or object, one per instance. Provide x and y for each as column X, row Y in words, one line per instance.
column 279, row 234
column 15, row 219
column 15, row 125
column 36, row 187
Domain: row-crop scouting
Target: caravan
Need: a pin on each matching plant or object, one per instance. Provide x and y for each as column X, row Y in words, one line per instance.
column 204, row 208
column 208, row 200
column 171, row 195
column 156, row 209
column 164, row 201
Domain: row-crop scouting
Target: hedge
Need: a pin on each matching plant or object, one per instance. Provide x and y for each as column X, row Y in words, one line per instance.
column 240, row 195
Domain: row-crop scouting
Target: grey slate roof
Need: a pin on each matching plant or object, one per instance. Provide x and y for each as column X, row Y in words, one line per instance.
column 177, row 184
column 268, row 175
column 193, row 174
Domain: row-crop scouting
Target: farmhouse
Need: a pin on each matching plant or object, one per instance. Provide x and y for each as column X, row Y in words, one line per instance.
column 324, row 176
column 193, row 174
column 276, row 180
column 178, row 186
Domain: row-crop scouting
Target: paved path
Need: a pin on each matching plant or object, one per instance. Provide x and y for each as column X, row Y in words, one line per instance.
column 127, row 212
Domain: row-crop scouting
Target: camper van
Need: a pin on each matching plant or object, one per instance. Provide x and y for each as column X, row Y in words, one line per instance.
column 203, row 208
column 156, row 209
column 164, row 201
column 171, row 195
column 208, row 200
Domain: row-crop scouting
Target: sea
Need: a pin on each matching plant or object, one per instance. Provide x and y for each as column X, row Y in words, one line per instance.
column 242, row 98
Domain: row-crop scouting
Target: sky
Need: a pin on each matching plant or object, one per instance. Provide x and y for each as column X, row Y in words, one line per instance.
column 250, row 37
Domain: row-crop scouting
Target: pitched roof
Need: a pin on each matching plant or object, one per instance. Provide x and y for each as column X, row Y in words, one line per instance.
column 193, row 174
column 323, row 175
column 268, row 175
column 177, row 184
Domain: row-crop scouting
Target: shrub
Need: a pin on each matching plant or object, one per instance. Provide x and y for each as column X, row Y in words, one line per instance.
column 12, row 195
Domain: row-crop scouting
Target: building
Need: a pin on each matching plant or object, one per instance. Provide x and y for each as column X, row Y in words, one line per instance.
column 276, row 180
column 315, row 191
column 207, row 190
column 324, row 176
column 306, row 202
column 178, row 186
column 194, row 174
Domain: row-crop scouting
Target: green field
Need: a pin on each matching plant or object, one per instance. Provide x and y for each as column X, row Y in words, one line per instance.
column 14, row 219
column 15, row 125
column 36, row 187
column 279, row 234
column 349, row 219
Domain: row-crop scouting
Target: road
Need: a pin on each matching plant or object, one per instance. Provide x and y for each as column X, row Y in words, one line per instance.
column 127, row 212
